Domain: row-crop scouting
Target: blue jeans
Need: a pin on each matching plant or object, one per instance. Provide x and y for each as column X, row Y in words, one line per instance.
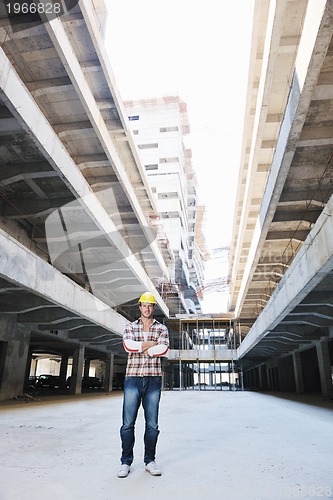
column 137, row 390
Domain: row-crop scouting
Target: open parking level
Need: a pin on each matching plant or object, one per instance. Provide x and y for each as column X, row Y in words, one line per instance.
column 226, row 445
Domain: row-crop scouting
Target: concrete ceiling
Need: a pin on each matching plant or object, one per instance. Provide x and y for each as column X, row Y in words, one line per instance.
column 73, row 190
column 282, row 196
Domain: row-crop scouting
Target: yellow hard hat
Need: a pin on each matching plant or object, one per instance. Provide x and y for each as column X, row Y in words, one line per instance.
column 148, row 298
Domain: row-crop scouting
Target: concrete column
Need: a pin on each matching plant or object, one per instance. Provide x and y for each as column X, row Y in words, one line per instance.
column 297, row 362
column 14, row 351
column 33, row 366
column 27, row 370
column 86, row 368
column 76, row 378
column 256, row 377
column 247, row 375
column 277, row 371
column 267, row 376
column 325, row 372
column 109, row 370
column 260, row 381
column 241, row 378
column 63, row 370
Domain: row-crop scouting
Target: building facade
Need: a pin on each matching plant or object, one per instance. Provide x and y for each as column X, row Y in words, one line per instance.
column 159, row 126
column 281, row 255
column 77, row 245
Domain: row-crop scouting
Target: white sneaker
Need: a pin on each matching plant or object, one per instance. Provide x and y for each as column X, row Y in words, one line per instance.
column 153, row 469
column 124, row 470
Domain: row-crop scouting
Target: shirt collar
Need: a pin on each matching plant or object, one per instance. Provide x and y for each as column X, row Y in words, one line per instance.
column 140, row 321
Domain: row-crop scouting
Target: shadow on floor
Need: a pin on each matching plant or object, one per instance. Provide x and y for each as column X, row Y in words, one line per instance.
column 314, row 399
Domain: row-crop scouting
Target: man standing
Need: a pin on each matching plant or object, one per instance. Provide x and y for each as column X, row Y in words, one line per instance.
column 146, row 341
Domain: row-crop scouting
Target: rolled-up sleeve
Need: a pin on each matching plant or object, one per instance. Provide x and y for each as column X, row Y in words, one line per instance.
column 131, row 345
column 158, row 350
column 162, row 347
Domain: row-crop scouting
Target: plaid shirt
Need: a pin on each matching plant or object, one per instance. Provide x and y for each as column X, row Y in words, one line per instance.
column 141, row 364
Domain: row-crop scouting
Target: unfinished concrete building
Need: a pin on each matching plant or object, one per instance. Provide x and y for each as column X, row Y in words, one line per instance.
column 281, row 255
column 159, row 127
column 77, row 237
column 77, row 246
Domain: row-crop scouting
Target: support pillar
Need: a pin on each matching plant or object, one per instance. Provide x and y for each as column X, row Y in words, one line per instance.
column 324, row 364
column 63, row 370
column 109, row 371
column 260, row 374
column 86, row 368
column 299, row 382
column 270, row 381
column 27, row 370
column 14, row 351
column 76, row 378
column 241, row 374
column 267, row 374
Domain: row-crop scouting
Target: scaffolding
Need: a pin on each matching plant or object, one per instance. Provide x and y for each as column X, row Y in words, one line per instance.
column 209, row 341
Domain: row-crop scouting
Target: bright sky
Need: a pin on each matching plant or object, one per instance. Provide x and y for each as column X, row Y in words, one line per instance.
column 199, row 51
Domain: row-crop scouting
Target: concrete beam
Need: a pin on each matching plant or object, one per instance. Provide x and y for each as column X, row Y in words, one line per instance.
column 69, row 127
column 9, row 126
column 23, row 305
column 209, row 355
column 129, row 149
column 41, row 279
column 105, row 104
column 318, row 298
column 105, row 340
column 96, row 160
column 46, row 316
column 309, row 215
column 65, row 325
column 19, row 208
column 297, row 235
column 49, row 83
column 25, row 109
column 316, row 36
column 63, row 45
column 315, row 196
column 312, row 263
column 88, row 333
column 13, row 172
column 265, row 50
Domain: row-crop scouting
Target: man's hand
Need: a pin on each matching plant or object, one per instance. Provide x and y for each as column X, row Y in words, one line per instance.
column 146, row 344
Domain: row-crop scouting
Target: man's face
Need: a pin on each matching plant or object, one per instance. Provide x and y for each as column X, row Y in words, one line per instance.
column 146, row 309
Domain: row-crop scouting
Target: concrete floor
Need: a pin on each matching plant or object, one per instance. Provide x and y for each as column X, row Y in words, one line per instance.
column 225, row 445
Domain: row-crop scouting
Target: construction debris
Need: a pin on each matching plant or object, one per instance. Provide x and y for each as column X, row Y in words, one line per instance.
column 25, row 397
